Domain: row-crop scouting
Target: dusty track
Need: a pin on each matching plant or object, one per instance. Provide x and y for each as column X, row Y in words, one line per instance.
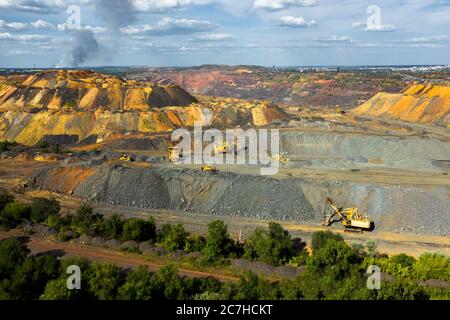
column 124, row 260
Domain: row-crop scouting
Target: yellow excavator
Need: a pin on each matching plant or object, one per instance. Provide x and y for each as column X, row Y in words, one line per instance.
column 126, row 158
column 209, row 168
column 281, row 157
column 351, row 218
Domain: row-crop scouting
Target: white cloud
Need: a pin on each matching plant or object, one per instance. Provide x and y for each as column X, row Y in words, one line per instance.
column 163, row 5
column 295, row 22
column 336, row 39
column 430, row 39
column 42, row 24
column 374, row 27
column 65, row 27
column 215, row 37
column 275, row 5
column 16, row 26
column 168, row 26
column 39, row 6
column 23, row 37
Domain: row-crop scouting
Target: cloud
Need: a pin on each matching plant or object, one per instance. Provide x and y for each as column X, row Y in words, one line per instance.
column 40, row 6
column 430, row 39
column 42, row 24
column 374, row 27
column 65, row 27
column 16, row 26
column 276, row 5
column 169, row 26
column 215, row 37
column 334, row 39
column 22, row 37
column 294, row 22
column 164, row 5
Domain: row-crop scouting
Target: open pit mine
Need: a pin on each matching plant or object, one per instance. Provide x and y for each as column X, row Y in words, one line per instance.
column 390, row 157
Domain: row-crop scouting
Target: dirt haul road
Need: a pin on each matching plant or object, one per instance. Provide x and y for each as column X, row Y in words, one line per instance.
column 124, row 260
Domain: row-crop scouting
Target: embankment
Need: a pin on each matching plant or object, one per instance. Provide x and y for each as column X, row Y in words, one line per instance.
column 414, row 208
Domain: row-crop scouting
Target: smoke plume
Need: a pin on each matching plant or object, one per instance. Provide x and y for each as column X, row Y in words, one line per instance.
column 84, row 47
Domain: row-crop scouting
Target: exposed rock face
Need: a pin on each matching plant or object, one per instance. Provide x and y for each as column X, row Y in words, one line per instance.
column 84, row 103
column 417, row 103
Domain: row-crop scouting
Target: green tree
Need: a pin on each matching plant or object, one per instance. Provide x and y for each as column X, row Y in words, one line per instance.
column 403, row 260
column 175, row 239
column 104, row 280
column 253, row 287
column 139, row 285
column 5, row 198
column 12, row 254
column 85, row 220
column 112, row 227
column 168, row 284
column 57, row 290
column 139, row 230
column 31, row 277
column 13, row 213
column 42, row 208
column 195, row 243
column 320, row 238
column 432, row 266
column 335, row 256
column 218, row 243
column 273, row 246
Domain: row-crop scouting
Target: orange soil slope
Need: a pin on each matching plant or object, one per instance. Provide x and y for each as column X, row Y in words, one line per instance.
column 417, row 103
column 86, row 90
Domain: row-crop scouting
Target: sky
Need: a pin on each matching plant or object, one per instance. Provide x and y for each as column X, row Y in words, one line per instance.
column 78, row 33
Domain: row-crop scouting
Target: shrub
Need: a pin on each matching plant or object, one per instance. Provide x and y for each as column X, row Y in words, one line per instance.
column 432, row 266
column 274, row 246
column 175, row 239
column 13, row 213
column 218, row 243
column 42, row 208
column 104, row 280
column 42, row 144
column 336, row 256
column 112, row 228
column 139, row 230
column 4, row 145
column 320, row 238
column 195, row 243
column 5, row 198
column 85, row 219
column 139, row 285
column 12, row 255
